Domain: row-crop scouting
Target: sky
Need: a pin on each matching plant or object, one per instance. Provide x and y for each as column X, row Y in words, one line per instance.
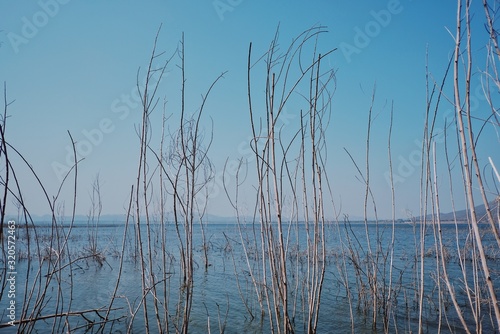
column 72, row 66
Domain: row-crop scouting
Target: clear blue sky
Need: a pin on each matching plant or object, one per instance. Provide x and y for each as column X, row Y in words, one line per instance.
column 69, row 64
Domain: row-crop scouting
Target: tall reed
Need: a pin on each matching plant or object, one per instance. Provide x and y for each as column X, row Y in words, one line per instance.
column 281, row 158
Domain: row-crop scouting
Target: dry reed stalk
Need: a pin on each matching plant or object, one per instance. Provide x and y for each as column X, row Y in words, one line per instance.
column 467, row 145
column 276, row 175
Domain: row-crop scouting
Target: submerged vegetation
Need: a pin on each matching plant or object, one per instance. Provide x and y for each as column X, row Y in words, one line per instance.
column 284, row 256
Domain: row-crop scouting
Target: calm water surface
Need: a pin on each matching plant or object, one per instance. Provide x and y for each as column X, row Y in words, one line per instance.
column 221, row 289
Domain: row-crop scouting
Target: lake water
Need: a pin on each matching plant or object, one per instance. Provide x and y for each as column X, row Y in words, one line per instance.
column 221, row 292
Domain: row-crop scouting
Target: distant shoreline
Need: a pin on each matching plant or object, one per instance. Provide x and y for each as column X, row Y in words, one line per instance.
column 113, row 223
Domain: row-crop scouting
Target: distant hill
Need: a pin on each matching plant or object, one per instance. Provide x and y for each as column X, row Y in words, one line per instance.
column 462, row 215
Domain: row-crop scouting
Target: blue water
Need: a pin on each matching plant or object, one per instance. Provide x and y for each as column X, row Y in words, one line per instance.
column 221, row 291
